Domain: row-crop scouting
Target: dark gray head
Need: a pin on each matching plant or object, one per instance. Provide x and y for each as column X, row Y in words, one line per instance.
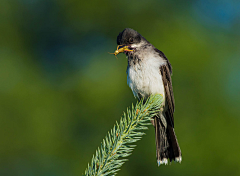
column 130, row 37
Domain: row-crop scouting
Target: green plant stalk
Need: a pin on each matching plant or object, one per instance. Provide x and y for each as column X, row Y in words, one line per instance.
column 117, row 144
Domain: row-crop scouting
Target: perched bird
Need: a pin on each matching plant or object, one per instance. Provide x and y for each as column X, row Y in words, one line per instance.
column 149, row 72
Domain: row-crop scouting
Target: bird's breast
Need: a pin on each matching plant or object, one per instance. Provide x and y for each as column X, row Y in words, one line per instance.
column 144, row 78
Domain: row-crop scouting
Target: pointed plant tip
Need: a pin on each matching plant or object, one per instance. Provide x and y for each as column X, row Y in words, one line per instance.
column 157, row 97
column 118, row 142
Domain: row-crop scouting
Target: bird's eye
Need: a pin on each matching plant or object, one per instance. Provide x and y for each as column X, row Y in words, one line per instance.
column 131, row 40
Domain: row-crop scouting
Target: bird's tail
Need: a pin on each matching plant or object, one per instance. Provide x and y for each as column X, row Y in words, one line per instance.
column 166, row 142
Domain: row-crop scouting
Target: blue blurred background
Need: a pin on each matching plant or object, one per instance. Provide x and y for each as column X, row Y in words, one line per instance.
column 61, row 91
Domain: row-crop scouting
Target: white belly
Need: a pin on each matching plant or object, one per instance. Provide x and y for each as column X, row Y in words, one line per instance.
column 145, row 79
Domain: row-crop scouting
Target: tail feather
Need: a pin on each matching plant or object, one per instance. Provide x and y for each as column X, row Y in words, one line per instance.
column 166, row 142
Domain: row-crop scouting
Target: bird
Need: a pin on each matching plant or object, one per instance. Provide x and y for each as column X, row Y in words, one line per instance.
column 149, row 72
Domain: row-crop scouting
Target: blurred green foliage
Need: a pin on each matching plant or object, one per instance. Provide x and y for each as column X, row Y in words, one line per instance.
column 61, row 91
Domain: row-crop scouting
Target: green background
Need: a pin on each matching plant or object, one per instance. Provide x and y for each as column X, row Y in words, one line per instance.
column 60, row 90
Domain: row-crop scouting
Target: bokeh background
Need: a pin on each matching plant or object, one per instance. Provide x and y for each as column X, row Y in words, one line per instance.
column 60, row 90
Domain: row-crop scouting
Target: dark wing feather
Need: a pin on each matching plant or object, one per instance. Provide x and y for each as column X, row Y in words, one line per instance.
column 166, row 71
column 162, row 55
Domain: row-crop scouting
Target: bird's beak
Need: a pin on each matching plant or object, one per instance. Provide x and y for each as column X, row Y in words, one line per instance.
column 122, row 48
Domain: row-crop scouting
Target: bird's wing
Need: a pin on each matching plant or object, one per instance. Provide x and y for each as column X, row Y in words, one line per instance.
column 166, row 71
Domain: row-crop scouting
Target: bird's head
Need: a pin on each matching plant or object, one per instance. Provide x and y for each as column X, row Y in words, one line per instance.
column 131, row 40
